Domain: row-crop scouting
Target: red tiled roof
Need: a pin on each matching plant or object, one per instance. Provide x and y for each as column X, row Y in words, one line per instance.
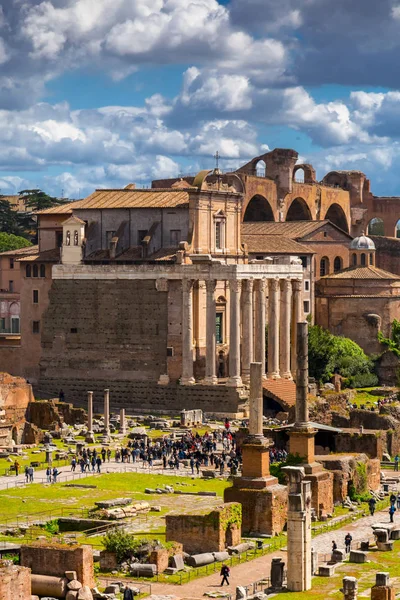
column 282, row 391
column 367, row 272
column 274, row 244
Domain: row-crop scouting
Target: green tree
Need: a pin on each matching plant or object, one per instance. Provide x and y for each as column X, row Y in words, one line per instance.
column 329, row 354
column 9, row 241
column 8, row 218
column 38, row 200
column 392, row 342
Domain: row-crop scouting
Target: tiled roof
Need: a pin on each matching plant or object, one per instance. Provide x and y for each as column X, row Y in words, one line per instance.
column 128, row 198
column 368, row 272
column 52, row 255
column 290, row 229
column 274, row 244
column 60, row 209
column 21, row 251
column 282, row 391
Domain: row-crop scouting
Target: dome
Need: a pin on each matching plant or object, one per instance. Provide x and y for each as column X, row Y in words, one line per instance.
column 362, row 243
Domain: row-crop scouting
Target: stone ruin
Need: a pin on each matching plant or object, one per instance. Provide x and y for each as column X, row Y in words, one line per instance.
column 191, row 418
column 15, row 396
column 213, row 531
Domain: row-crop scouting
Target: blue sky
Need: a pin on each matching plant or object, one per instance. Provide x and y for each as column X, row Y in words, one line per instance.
column 100, row 93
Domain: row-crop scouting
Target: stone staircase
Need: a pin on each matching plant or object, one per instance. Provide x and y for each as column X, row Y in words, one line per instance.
column 283, row 391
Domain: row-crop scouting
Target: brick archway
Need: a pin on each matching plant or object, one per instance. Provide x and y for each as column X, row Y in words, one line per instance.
column 336, row 215
column 258, row 209
column 298, row 211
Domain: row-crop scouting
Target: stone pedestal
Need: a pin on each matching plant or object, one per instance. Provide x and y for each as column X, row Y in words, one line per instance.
column 383, row 590
column 350, row 588
column 263, row 500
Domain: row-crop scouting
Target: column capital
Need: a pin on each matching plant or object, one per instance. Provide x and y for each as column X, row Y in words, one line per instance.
column 249, row 284
column 287, row 285
column 296, row 284
column 187, row 285
column 274, row 284
column 235, row 285
column 210, row 285
column 260, row 285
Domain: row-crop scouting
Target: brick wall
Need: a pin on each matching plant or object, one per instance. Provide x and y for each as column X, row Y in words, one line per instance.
column 15, row 582
column 144, row 396
column 56, row 559
column 211, row 532
column 115, row 329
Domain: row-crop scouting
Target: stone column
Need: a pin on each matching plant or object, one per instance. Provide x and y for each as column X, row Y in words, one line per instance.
column 107, row 412
column 211, row 376
column 256, row 401
column 89, row 439
column 259, row 323
column 122, row 421
column 234, row 333
column 247, row 329
column 298, row 531
column 187, row 332
column 285, row 321
column 273, row 329
column 297, row 316
column 302, row 413
column 350, row 588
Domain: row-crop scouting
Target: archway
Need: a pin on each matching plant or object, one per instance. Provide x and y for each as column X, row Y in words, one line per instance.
column 298, row 211
column 299, row 175
column 260, row 168
column 376, row 227
column 324, row 266
column 337, row 216
column 258, row 209
column 337, row 264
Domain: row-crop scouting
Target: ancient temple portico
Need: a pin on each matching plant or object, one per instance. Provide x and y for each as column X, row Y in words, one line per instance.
column 258, row 294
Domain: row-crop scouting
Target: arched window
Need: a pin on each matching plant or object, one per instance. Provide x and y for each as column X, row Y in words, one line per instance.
column 363, row 260
column 68, row 238
column 35, row 270
column 371, row 258
column 324, row 266
column 299, row 175
column 260, row 168
column 42, row 270
column 28, row 270
column 354, row 259
column 376, row 227
column 75, row 237
column 337, row 264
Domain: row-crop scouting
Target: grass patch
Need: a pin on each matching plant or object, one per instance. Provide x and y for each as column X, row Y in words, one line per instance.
column 38, row 498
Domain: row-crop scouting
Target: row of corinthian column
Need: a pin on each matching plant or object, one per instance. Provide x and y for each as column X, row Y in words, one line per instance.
column 284, row 311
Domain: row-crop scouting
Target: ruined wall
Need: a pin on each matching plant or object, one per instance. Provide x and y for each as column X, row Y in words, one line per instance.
column 10, row 360
column 263, row 511
column 145, row 396
column 15, row 582
column 369, row 443
column 357, row 469
column 44, row 413
column 211, row 532
column 56, row 559
column 15, row 395
column 104, row 329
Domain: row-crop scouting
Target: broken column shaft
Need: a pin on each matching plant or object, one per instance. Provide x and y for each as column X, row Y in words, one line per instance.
column 256, row 400
column 302, row 415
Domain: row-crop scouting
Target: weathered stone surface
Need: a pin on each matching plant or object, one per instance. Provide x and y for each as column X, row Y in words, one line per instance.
column 74, row 585
column 112, row 503
column 357, row 556
column 112, row 589
column 143, row 570
column 85, row 593
column 326, row 571
column 70, row 575
column 221, row 556
column 71, row 595
column 43, row 585
column 241, row 548
column 338, row 555
column 200, row 560
column 177, row 562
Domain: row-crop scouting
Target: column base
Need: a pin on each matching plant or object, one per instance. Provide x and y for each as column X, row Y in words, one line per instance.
column 235, row 381
column 188, row 381
column 287, row 375
column 274, row 375
column 89, row 438
column 210, row 380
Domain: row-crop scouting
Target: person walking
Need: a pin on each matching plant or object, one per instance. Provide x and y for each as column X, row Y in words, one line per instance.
column 392, row 510
column 347, row 542
column 392, row 498
column 31, row 471
column 16, row 467
column 334, row 545
column 396, row 462
column 398, row 500
column 372, row 506
column 225, row 571
column 26, row 474
column 55, row 474
column 48, row 474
